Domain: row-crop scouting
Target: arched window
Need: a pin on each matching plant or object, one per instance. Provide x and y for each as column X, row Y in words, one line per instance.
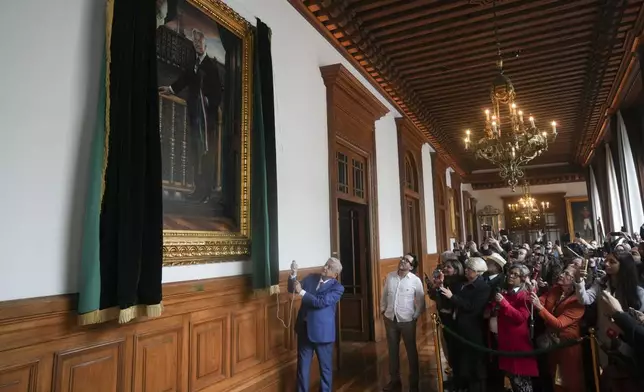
column 411, row 174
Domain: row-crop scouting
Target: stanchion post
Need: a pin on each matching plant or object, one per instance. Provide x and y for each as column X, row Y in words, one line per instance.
column 437, row 350
column 593, row 351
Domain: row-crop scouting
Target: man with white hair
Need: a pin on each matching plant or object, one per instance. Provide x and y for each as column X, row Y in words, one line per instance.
column 315, row 325
column 204, row 94
column 469, row 299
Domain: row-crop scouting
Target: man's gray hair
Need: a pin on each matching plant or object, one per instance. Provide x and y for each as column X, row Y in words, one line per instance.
column 198, row 34
column 476, row 264
column 335, row 265
column 522, row 269
column 448, row 255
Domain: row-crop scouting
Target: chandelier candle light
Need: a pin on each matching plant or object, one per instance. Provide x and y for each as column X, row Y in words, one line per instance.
column 508, row 141
column 527, row 208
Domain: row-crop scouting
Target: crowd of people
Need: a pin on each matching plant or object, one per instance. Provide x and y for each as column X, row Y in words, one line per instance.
column 517, row 317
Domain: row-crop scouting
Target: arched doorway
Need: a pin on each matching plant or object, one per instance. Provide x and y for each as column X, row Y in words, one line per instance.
column 412, row 237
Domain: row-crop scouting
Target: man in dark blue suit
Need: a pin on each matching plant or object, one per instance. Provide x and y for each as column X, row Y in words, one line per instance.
column 315, row 325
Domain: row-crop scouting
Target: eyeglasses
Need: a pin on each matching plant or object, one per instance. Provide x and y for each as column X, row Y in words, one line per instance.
column 514, row 276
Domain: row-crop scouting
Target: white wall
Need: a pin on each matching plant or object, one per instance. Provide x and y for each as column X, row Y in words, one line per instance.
column 46, row 118
column 493, row 197
column 428, row 187
column 389, row 217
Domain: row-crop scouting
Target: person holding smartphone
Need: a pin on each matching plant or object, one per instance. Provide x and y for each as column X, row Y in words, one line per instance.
column 451, row 273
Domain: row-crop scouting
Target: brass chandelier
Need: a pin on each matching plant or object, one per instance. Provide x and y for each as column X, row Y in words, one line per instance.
column 509, row 141
column 528, row 210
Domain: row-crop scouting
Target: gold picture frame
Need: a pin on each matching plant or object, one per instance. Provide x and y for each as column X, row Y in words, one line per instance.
column 572, row 210
column 188, row 247
column 453, row 224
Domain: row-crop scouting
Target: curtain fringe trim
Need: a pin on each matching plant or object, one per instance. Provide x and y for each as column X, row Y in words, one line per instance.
column 109, row 18
column 122, row 315
column 272, row 290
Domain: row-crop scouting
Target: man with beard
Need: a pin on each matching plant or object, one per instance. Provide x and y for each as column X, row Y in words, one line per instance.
column 403, row 300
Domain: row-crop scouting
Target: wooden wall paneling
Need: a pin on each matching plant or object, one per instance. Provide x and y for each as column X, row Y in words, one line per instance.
column 352, row 112
column 458, row 196
column 430, row 263
column 410, row 143
column 248, row 339
column 19, row 377
column 159, row 356
column 557, row 206
column 209, row 348
column 214, row 335
column 440, row 203
column 99, row 368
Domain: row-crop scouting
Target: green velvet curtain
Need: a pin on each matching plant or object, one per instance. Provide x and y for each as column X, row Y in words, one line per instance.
column 122, row 247
column 264, row 245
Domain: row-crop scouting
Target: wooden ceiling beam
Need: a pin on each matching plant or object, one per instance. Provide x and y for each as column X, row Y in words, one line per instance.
column 517, row 38
column 478, row 33
column 489, row 52
column 575, row 81
column 490, row 57
column 603, row 43
column 470, row 79
column 483, row 17
column 402, row 7
column 368, row 5
column 399, row 28
column 512, row 65
column 430, row 59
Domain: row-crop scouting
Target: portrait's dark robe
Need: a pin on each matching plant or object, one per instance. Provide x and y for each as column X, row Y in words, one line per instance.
column 202, row 80
column 123, row 278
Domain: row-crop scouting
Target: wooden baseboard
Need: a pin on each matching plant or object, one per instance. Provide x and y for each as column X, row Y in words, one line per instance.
column 214, row 335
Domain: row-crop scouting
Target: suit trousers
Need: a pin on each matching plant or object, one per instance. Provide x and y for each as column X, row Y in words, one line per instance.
column 406, row 330
column 305, row 350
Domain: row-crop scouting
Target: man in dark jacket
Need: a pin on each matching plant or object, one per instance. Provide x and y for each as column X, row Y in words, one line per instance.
column 204, row 97
column 469, row 299
column 495, row 278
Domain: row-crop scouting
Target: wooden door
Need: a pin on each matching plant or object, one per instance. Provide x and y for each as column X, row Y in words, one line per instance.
column 413, row 240
column 353, row 233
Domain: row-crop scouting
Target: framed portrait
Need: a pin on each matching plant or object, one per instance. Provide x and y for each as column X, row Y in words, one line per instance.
column 452, row 212
column 580, row 218
column 204, row 75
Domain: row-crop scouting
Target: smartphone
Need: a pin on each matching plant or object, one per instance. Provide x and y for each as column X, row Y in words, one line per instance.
column 436, row 274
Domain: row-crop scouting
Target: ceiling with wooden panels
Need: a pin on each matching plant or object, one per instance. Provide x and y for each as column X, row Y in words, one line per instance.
column 435, row 60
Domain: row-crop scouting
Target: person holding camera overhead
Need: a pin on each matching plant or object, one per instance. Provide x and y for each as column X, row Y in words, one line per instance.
column 315, row 324
column 621, row 282
column 468, row 299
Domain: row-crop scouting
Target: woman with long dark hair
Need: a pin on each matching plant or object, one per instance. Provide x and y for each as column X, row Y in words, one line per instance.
column 451, row 273
column 621, row 281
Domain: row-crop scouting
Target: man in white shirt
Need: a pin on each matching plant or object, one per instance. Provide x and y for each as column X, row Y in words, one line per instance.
column 403, row 300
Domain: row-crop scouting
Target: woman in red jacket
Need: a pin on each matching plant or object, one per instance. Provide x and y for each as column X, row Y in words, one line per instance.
column 562, row 312
column 514, row 311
